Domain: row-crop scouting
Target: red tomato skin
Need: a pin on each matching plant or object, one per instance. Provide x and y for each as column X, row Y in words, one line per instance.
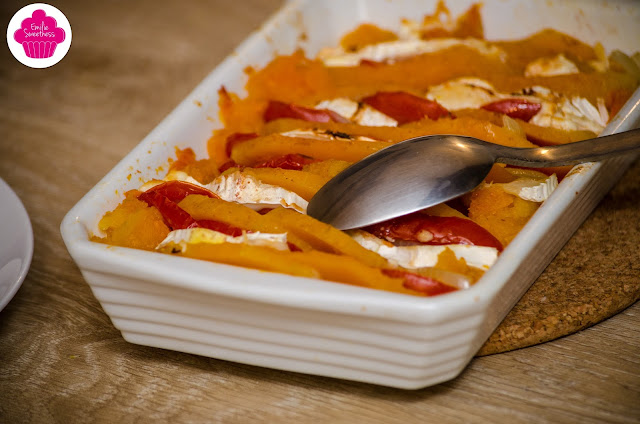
column 218, row 226
column 419, row 283
column 178, row 190
column 237, row 138
column 371, row 63
column 405, row 107
column 293, row 247
column 291, row 161
column 515, row 108
column 174, row 216
column 445, row 230
column 165, row 198
column 276, row 110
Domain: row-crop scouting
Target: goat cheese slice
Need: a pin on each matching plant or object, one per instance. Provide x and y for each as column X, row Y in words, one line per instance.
column 171, row 176
column 341, row 105
column 371, row 117
column 316, row 134
column 546, row 67
column 179, row 239
column 532, row 190
column 400, row 49
column 463, row 93
column 576, row 113
column 556, row 111
column 241, row 188
column 422, row 256
column 360, row 114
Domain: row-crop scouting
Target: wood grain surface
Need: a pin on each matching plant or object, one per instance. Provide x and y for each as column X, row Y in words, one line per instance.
column 61, row 360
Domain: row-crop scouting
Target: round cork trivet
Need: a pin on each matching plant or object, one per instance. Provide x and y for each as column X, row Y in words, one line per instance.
column 596, row 275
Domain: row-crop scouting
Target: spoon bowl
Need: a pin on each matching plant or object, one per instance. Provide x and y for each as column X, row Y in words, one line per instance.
column 425, row 171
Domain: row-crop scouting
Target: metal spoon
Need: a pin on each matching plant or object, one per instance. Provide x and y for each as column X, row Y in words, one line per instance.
column 424, row 171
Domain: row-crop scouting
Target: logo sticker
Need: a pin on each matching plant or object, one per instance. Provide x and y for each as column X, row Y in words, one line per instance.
column 39, row 35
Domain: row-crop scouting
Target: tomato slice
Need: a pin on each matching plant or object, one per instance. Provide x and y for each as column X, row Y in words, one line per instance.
column 277, row 110
column 515, row 108
column 165, row 198
column 293, row 247
column 434, row 230
column 174, row 216
column 237, row 138
column 291, row 161
column 178, row 190
column 220, row 227
column 405, row 107
column 420, row 283
column 369, row 62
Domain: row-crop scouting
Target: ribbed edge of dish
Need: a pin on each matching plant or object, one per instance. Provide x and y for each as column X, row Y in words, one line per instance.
column 323, row 343
column 448, row 372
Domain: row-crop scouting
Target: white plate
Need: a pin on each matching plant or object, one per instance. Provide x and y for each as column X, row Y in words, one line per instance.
column 16, row 243
column 318, row 327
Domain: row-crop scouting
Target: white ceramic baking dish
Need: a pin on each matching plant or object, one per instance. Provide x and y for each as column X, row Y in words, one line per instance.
column 314, row 326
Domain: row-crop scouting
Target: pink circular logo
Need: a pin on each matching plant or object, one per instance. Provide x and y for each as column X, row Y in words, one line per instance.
column 39, row 35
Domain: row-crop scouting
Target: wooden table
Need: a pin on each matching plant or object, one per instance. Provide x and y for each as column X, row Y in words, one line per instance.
column 61, row 360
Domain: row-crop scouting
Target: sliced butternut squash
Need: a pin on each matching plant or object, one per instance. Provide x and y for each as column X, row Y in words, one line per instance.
column 324, row 237
column 499, row 212
column 257, row 257
column 203, row 207
column 134, row 224
column 303, row 183
column 264, row 148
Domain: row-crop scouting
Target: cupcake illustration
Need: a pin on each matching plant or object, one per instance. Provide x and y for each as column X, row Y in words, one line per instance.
column 39, row 35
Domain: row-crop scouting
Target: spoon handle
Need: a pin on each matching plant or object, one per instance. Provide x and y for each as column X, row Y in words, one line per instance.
column 594, row 149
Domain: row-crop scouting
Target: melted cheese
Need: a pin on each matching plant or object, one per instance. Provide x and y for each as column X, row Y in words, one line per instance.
column 341, row 105
column 532, row 190
column 410, row 30
column 546, row 67
column 316, row 134
column 371, row 117
column 360, row 114
column 421, row 256
column 400, row 49
column 413, row 30
column 576, row 113
column 557, row 111
column 463, row 93
column 180, row 239
column 171, row 176
column 241, row 188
